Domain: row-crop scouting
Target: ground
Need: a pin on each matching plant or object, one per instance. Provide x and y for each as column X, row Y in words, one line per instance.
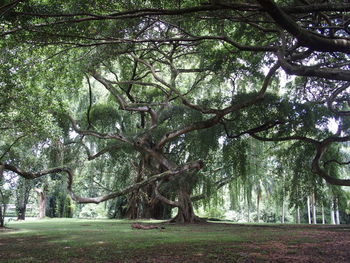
column 77, row 241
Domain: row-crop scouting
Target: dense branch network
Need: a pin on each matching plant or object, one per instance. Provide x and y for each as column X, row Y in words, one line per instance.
column 310, row 41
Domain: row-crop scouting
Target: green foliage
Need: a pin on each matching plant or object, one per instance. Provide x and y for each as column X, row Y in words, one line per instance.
column 93, row 211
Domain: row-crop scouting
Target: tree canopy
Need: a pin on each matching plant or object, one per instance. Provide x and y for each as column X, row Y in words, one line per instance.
column 166, row 95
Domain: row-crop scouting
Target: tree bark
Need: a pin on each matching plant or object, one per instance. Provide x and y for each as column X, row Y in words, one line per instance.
column 298, row 215
column 258, row 206
column 283, row 212
column 2, row 215
column 308, row 209
column 314, row 216
column 332, row 213
column 42, row 202
column 337, row 212
column 21, row 212
column 132, row 207
column 185, row 212
column 323, row 217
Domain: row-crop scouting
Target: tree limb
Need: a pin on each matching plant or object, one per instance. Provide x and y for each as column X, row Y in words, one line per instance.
column 305, row 38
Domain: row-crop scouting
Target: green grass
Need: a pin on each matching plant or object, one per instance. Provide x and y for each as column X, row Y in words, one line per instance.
column 78, row 240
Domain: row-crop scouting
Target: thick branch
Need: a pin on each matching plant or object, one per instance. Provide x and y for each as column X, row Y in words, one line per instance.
column 316, row 168
column 320, row 149
column 333, row 97
column 310, row 71
column 197, row 165
column 219, row 113
column 162, row 198
column 335, row 161
column 306, row 39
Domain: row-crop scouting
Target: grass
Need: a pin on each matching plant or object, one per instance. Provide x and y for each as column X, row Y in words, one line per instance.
column 78, row 240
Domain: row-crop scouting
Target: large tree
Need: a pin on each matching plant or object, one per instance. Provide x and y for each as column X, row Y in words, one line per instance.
column 181, row 75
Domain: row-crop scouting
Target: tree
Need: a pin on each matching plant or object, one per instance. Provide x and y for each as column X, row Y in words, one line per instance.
column 23, row 189
column 180, row 76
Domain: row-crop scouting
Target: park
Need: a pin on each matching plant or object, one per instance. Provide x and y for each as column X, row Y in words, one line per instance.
column 174, row 131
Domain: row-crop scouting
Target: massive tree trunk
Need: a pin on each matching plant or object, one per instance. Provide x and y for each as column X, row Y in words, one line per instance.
column 185, row 212
column 135, row 201
column 144, row 204
column 132, row 211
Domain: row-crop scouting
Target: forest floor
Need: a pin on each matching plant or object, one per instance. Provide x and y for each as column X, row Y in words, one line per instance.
column 80, row 241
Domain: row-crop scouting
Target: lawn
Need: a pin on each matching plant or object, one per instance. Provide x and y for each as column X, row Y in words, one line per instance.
column 78, row 240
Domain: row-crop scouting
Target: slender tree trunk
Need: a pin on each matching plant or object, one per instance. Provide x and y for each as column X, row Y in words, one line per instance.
column 283, row 212
column 2, row 205
column 248, row 215
column 298, row 215
column 2, row 215
column 308, row 209
column 314, row 216
column 337, row 212
column 332, row 213
column 323, row 217
column 258, row 206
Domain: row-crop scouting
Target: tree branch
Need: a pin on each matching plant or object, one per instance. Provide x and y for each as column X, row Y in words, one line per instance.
column 97, row 134
column 305, row 38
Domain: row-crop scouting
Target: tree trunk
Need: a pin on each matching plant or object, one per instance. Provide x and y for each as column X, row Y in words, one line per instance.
column 332, row 213
column 258, row 206
column 185, row 212
column 314, row 216
column 283, row 212
column 2, row 215
column 308, row 209
column 2, row 205
column 337, row 212
column 23, row 189
column 323, row 217
column 132, row 207
column 42, row 202
column 248, row 215
column 21, row 212
column 298, row 215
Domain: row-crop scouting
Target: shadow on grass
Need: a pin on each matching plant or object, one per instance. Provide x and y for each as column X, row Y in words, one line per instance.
column 72, row 240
